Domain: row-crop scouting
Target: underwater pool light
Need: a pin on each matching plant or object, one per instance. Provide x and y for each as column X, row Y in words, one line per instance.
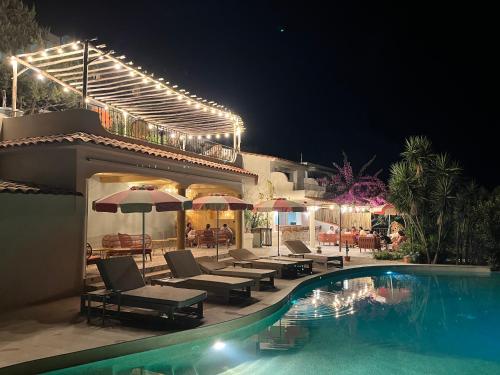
column 219, row 345
column 389, row 272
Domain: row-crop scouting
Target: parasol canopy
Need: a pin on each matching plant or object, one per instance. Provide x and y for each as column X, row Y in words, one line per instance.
column 386, row 209
column 280, row 205
column 142, row 199
column 220, row 202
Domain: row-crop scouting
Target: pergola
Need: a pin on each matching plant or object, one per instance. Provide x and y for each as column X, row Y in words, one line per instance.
column 108, row 83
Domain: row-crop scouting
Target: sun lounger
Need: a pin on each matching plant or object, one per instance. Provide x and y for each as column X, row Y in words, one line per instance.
column 257, row 274
column 189, row 275
column 126, row 286
column 283, row 267
column 298, row 248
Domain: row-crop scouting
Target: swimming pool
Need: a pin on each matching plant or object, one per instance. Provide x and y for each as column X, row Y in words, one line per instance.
column 374, row 322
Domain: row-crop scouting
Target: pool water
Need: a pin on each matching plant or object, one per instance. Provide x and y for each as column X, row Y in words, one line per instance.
column 378, row 322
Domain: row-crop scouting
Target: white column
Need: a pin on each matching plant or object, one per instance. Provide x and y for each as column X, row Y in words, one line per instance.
column 14, row 87
column 312, row 227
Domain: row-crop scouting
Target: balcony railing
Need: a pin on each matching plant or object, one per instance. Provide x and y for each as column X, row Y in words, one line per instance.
column 117, row 122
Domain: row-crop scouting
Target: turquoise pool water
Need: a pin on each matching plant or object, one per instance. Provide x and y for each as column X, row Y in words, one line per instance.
column 380, row 322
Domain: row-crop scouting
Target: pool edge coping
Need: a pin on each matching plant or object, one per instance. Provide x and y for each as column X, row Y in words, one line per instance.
column 86, row 356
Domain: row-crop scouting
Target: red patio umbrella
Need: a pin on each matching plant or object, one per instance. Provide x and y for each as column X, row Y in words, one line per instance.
column 220, row 202
column 280, row 205
column 142, row 199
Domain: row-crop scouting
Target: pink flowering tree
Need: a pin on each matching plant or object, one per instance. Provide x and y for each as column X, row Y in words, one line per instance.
column 345, row 187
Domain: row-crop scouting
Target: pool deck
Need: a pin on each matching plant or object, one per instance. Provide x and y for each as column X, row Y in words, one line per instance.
column 56, row 328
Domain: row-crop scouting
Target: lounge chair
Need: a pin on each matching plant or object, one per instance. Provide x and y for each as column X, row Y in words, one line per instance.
column 283, row 267
column 298, row 248
column 126, row 286
column 189, row 275
column 257, row 274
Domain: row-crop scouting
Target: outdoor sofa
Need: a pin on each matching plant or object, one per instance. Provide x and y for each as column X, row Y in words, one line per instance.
column 298, row 248
column 284, row 268
column 256, row 274
column 328, row 238
column 126, row 244
column 187, row 274
column 126, row 287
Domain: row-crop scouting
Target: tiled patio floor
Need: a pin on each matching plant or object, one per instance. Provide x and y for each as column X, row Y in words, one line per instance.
column 55, row 328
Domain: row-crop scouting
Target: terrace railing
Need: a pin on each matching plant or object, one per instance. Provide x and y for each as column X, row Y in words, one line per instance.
column 117, row 122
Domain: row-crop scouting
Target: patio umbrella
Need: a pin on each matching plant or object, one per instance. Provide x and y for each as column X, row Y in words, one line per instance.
column 142, row 199
column 387, row 209
column 220, row 202
column 280, row 205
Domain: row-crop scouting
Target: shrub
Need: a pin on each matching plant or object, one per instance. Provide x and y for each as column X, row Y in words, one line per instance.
column 388, row 255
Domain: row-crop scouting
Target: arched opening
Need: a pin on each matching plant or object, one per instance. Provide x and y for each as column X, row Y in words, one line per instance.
column 103, row 229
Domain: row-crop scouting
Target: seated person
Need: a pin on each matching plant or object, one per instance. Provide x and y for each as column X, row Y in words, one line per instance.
column 362, row 232
column 208, row 232
column 371, row 234
column 399, row 240
column 228, row 232
column 191, row 234
column 331, row 230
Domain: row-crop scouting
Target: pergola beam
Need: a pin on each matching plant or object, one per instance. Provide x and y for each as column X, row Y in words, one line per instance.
column 111, row 83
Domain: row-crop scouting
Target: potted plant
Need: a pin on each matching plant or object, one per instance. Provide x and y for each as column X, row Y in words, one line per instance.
column 318, row 249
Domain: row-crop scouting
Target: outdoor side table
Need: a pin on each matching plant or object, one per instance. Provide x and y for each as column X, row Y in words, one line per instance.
column 102, row 250
column 104, row 297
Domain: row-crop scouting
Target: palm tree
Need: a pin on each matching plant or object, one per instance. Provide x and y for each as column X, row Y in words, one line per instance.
column 423, row 186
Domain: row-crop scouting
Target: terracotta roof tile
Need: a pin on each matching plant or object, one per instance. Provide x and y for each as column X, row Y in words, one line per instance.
column 98, row 140
column 19, row 187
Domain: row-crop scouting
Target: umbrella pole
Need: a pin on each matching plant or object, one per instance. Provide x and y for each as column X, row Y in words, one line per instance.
column 389, row 226
column 278, row 233
column 340, row 228
column 217, row 238
column 143, row 246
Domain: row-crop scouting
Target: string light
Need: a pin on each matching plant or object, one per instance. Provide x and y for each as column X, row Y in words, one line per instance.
column 143, row 106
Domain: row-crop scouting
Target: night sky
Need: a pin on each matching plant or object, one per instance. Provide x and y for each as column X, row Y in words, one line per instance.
column 318, row 79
